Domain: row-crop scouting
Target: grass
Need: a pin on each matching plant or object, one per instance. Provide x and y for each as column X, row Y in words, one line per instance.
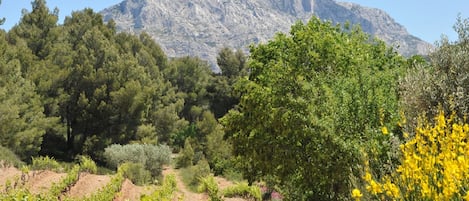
column 187, row 176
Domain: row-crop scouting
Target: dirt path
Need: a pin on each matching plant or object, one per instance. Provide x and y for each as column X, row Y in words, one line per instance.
column 182, row 190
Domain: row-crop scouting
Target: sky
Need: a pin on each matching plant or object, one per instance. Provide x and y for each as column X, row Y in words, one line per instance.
column 426, row 19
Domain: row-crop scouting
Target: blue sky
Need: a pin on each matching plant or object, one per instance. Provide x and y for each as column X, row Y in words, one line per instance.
column 426, row 19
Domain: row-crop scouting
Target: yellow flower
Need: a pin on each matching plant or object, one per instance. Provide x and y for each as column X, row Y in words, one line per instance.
column 384, row 130
column 356, row 194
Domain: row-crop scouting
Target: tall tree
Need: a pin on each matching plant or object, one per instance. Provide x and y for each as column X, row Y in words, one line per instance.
column 22, row 121
column 313, row 99
column 191, row 76
column 221, row 89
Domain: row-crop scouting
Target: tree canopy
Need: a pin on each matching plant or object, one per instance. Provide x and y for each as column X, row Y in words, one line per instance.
column 312, row 100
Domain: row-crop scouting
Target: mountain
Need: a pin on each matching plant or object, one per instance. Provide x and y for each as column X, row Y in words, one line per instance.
column 202, row 27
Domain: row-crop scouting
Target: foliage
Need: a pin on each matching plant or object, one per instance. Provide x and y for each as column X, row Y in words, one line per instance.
column 442, row 82
column 152, row 157
column 72, row 177
column 108, row 192
column 22, row 123
column 433, row 164
column 45, row 163
column 191, row 175
column 88, row 165
column 243, row 190
column 136, row 172
column 24, row 195
column 165, row 192
column 82, row 85
column 209, row 185
column 312, row 100
column 8, row 158
column 222, row 95
column 191, row 76
column 186, row 156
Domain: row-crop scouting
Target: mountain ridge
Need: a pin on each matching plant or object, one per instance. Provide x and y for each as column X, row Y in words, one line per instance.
column 202, row 27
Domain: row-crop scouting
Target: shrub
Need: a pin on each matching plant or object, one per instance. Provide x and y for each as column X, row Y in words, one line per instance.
column 9, row 158
column 165, row 192
column 201, row 170
column 152, row 157
column 434, row 165
column 88, row 165
column 243, row 190
column 186, row 156
column 136, row 172
column 210, row 186
column 45, row 163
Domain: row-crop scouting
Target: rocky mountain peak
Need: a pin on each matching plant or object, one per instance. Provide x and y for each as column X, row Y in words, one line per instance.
column 202, row 27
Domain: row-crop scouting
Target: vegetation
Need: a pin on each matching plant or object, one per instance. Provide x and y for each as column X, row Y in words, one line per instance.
column 243, row 190
column 209, row 186
column 9, row 158
column 312, row 100
column 300, row 114
column 166, row 192
column 150, row 157
column 45, row 163
column 434, row 165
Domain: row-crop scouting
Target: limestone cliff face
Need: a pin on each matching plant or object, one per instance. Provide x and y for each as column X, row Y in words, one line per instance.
column 202, row 27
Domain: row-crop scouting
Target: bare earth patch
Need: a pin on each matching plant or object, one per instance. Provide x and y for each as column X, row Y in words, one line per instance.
column 130, row 191
column 8, row 174
column 87, row 184
column 41, row 181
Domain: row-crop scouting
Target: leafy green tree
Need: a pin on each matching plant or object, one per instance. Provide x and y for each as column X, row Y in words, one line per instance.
column 313, row 100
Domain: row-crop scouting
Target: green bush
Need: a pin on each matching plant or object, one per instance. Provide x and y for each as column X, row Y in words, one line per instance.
column 88, row 165
column 191, row 175
column 243, row 190
column 201, row 170
column 45, row 163
column 8, row 158
column 152, row 157
column 209, row 186
column 165, row 192
column 136, row 172
column 186, row 156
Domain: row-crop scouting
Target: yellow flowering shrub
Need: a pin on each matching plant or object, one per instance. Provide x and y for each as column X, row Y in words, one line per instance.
column 434, row 165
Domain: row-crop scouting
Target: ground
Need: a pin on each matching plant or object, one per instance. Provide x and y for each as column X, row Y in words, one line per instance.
column 40, row 181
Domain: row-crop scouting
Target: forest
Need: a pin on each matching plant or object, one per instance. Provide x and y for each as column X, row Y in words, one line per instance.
column 325, row 112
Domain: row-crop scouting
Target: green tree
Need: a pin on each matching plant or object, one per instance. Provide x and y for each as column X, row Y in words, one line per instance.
column 221, row 90
column 191, row 76
column 441, row 82
column 22, row 123
column 313, row 99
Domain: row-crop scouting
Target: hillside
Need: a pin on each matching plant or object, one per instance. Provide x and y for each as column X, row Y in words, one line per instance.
column 201, row 28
